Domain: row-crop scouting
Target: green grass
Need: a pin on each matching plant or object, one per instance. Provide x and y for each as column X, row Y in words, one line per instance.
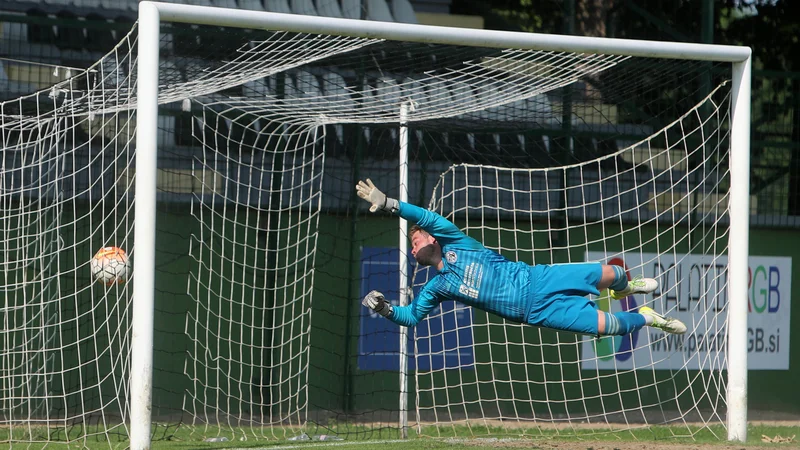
column 188, row 438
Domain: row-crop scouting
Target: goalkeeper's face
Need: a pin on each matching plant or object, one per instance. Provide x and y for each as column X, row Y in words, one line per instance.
column 425, row 249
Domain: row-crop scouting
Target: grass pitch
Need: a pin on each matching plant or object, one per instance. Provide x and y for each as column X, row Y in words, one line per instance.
column 649, row 438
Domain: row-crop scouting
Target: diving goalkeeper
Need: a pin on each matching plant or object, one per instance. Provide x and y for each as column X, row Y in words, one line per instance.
column 551, row 296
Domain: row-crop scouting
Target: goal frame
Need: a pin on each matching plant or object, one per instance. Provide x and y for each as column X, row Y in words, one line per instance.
column 152, row 14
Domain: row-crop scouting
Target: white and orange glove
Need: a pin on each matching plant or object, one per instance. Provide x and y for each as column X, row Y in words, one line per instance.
column 370, row 193
column 376, row 302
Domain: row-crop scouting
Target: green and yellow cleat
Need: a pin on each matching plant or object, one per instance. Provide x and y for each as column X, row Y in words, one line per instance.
column 637, row 285
column 667, row 324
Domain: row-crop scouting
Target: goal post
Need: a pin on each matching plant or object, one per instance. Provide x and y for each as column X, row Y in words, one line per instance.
column 151, row 15
column 145, row 228
column 739, row 251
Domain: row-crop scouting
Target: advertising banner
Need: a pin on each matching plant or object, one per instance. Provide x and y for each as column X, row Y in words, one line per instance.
column 693, row 289
column 442, row 343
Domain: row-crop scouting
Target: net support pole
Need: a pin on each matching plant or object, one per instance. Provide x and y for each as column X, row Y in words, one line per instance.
column 738, row 254
column 404, row 291
column 145, row 227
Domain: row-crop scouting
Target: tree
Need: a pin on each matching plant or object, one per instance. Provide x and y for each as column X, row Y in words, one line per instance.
column 540, row 16
column 771, row 29
column 591, row 17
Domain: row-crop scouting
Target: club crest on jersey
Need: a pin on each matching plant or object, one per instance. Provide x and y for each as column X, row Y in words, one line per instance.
column 451, row 257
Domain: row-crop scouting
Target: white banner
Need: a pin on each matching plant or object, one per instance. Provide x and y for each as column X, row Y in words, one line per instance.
column 692, row 288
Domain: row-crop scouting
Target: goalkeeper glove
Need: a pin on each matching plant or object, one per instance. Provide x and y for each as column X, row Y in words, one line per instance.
column 370, row 193
column 375, row 301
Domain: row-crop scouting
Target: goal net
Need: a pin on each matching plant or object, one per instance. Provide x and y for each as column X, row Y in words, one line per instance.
column 263, row 251
column 656, row 207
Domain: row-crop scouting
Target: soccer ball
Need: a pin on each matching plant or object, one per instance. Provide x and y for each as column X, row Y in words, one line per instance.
column 110, row 265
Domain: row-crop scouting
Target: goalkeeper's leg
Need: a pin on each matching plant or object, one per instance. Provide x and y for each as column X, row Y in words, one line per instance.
column 621, row 323
column 589, row 278
column 616, row 281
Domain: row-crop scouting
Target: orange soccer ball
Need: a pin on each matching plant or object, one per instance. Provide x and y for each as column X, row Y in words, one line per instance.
column 110, row 265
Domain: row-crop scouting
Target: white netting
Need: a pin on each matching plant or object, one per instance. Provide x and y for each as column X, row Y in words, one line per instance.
column 665, row 216
column 249, row 230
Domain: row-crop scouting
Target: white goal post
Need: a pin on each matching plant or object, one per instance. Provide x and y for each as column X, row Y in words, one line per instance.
column 151, row 15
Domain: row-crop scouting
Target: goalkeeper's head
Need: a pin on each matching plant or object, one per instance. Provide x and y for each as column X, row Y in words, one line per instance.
column 424, row 247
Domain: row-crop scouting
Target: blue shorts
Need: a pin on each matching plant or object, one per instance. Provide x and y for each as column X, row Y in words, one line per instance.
column 559, row 299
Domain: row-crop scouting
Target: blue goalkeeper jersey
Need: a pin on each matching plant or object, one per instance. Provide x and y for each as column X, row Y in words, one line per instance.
column 472, row 274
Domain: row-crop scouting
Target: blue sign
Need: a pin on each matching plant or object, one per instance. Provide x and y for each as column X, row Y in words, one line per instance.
column 444, row 340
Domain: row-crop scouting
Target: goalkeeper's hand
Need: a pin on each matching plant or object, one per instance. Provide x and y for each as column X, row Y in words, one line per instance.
column 376, row 302
column 370, row 193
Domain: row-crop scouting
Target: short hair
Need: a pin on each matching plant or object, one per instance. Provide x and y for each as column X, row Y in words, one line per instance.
column 414, row 229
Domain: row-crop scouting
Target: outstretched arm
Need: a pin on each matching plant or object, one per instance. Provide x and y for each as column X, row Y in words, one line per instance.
column 437, row 226
column 402, row 315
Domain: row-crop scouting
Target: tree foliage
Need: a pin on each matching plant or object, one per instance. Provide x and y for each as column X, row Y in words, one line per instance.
column 770, row 28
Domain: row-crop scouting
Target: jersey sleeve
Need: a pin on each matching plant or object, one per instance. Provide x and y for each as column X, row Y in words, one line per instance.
column 437, row 226
column 410, row 315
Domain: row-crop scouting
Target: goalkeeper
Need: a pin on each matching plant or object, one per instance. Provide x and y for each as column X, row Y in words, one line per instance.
column 551, row 296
